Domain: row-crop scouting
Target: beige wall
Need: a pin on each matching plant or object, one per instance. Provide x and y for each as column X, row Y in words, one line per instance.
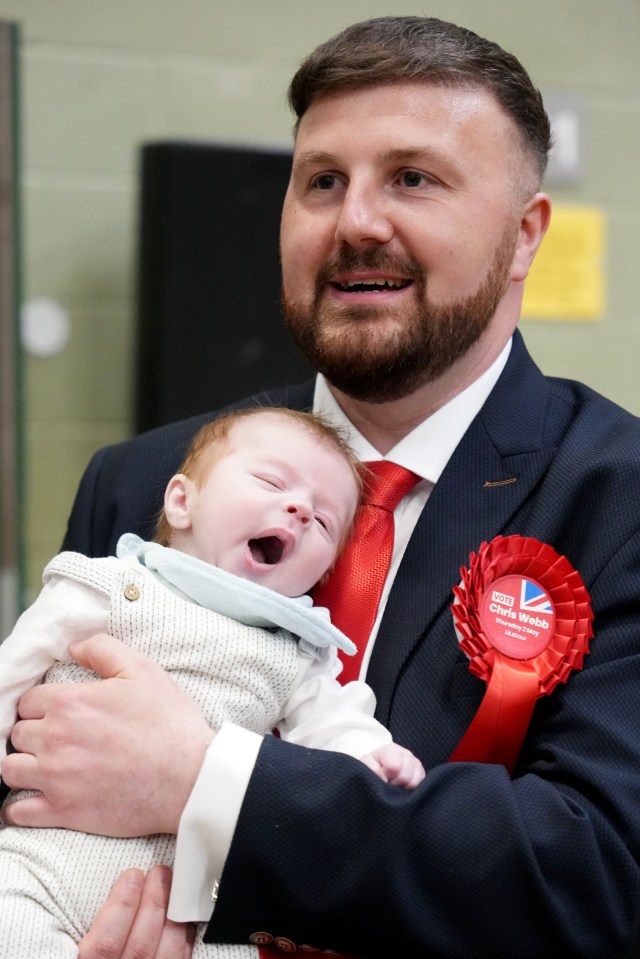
column 100, row 78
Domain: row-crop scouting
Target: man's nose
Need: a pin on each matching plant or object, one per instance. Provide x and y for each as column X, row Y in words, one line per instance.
column 364, row 217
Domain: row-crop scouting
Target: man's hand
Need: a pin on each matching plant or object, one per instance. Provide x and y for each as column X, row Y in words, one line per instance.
column 117, row 757
column 133, row 922
column 396, row 765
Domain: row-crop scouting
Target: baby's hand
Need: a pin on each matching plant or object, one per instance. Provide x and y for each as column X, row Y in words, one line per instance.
column 396, row 765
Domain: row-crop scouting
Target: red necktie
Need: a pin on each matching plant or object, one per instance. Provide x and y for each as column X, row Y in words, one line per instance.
column 352, row 591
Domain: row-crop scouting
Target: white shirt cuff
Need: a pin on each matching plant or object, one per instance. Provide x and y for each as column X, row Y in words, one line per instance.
column 208, row 822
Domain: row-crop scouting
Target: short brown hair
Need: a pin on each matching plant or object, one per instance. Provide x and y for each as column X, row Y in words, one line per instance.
column 387, row 50
column 211, row 441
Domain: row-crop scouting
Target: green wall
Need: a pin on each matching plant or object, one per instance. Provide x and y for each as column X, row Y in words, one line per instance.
column 98, row 79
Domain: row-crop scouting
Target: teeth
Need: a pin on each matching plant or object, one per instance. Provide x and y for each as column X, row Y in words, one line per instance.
column 376, row 283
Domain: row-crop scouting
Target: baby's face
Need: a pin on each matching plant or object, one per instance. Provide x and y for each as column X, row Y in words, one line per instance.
column 274, row 508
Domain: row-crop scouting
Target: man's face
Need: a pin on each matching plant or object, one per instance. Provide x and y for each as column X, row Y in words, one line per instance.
column 399, row 231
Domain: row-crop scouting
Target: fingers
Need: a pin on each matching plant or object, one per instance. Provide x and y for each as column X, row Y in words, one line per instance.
column 416, row 775
column 152, row 931
column 147, row 930
column 394, row 770
column 19, row 770
column 132, row 924
column 410, row 773
column 176, row 941
column 32, row 705
column 108, row 656
column 396, row 765
column 110, row 930
column 27, row 811
column 404, row 769
column 38, row 701
column 372, row 763
column 103, row 752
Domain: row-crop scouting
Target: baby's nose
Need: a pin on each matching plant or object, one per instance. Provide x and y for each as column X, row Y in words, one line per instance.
column 301, row 510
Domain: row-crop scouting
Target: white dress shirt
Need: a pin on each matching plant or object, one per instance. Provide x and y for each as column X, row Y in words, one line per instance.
column 210, row 816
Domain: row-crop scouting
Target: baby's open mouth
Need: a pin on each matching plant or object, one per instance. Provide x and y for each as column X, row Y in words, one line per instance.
column 267, row 549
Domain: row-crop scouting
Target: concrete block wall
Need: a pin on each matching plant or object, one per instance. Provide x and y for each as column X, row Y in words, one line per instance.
column 99, row 79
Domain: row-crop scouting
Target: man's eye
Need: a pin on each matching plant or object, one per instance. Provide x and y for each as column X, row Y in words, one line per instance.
column 325, row 182
column 412, row 178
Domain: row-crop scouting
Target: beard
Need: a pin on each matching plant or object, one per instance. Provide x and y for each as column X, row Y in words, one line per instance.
column 377, row 354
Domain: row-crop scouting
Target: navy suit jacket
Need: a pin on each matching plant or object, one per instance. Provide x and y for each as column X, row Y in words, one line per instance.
column 473, row 863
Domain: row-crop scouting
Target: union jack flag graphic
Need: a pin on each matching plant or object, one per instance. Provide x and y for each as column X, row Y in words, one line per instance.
column 533, row 598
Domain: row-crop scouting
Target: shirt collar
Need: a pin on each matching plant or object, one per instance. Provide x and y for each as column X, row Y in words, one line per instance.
column 427, row 448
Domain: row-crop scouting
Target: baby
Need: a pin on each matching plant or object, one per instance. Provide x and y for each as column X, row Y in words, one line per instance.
column 256, row 516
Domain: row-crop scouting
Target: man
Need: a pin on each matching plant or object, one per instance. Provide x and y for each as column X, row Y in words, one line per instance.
column 411, row 220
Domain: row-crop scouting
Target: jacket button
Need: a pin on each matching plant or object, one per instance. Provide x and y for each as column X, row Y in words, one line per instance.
column 131, row 592
column 285, row 944
column 260, row 938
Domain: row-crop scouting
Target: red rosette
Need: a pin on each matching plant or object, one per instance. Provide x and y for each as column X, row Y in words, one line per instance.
column 523, row 616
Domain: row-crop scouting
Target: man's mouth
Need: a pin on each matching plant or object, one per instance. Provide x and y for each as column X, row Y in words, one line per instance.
column 267, row 550
column 381, row 285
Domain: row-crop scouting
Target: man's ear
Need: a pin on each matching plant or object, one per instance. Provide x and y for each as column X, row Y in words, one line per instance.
column 176, row 502
column 533, row 226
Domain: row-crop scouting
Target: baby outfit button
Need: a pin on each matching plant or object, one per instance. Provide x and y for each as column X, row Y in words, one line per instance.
column 131, row 592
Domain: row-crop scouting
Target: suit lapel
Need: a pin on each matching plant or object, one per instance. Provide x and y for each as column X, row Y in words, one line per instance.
column 497, row 464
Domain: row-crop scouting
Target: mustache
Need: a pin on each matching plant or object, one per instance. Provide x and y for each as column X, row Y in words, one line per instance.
column 348, row 260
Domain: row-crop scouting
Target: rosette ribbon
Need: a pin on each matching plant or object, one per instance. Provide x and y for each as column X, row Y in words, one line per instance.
column 523, row 616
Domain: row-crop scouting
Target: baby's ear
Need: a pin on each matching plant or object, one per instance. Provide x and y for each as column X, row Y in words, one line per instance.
column 176, row 502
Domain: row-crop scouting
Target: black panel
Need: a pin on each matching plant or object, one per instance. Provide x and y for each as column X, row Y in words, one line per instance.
column 210, row 327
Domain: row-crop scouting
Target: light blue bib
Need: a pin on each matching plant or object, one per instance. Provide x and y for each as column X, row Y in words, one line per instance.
column 240, row 599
